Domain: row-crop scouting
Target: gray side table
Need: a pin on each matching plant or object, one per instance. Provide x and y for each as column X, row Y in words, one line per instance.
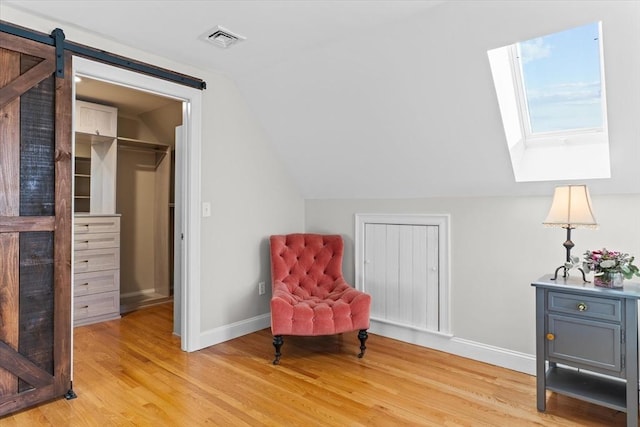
column 589, row 337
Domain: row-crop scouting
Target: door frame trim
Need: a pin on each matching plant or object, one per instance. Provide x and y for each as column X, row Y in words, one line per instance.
column 191, row 224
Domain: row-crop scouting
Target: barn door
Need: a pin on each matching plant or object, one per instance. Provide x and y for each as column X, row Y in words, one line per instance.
column 35, row 224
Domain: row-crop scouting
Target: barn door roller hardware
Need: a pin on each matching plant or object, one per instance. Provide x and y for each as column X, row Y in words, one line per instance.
column 58, row 40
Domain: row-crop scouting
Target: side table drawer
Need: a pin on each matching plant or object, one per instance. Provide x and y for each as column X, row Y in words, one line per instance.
column 96, row 305
column 585, row 306
column 96, row 282
column 96, row 260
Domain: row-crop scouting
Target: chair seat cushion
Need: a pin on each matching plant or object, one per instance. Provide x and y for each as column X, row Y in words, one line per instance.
column 343, row 309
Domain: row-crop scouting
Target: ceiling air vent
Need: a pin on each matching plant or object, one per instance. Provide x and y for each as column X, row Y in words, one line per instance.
column 223, row 38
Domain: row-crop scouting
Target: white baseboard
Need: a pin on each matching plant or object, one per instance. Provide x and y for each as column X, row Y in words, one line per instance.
column 505, row 358
column 497, row 356
column 138, row 293
column 234, row 330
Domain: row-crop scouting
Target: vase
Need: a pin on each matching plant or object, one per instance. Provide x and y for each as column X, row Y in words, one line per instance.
column 609, row 280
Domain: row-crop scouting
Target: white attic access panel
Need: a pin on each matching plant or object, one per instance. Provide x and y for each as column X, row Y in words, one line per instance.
column 402, row 261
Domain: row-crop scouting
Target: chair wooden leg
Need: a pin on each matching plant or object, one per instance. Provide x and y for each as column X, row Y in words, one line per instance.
column 362, row 336
column 277, row 343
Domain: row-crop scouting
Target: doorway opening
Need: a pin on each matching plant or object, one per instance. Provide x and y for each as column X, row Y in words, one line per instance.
column 139, row 175
column 139, row 151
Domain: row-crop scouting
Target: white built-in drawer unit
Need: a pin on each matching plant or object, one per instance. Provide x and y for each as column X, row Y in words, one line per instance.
column 96, row 281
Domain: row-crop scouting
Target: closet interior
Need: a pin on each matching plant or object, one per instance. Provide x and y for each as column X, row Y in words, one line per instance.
column 123, row 199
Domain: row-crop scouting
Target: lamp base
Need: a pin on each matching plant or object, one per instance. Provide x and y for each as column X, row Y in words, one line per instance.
column 565, row 274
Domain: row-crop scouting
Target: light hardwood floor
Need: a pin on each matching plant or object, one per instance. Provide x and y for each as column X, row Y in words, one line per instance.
column 131, row 372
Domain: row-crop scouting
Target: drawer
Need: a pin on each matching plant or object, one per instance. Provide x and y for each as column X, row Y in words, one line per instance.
column 96, row 305
column 96, row 282
column 590, row 344
column 96, row 260
column 96, row 224
column 592, row 307
column 84, row 241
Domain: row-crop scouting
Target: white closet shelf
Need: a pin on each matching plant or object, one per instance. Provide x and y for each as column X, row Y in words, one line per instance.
column 92, row 138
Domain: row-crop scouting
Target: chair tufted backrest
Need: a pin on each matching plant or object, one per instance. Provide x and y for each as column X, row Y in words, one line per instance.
column 308, row 264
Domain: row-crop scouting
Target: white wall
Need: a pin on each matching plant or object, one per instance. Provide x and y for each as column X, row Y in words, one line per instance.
column 498, row 247
column 250, row 194
column 251, row 198
column 420, row 106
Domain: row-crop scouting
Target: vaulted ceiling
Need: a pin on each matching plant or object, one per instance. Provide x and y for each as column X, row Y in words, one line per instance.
column 379, row 98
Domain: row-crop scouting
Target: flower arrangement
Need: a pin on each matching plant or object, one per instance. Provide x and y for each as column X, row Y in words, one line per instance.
column 605, row 264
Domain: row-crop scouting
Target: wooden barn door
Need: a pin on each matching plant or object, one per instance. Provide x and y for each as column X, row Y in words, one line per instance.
column 35, row 224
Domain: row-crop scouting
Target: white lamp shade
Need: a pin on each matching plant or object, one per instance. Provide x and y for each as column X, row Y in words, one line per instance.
column 571, row 207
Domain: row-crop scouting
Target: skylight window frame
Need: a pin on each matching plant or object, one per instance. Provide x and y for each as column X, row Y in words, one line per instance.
column 562, row 136
column 576, row 154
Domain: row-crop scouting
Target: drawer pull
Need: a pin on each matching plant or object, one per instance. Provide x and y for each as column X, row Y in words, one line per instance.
column 84, row 284
column 85, row 306
column 582, row 307
column 550, row 336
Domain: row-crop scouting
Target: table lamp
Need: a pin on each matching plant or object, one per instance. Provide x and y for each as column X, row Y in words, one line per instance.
column 571, row 208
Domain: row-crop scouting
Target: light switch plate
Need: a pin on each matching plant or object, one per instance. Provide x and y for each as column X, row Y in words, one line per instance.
column 206, row 209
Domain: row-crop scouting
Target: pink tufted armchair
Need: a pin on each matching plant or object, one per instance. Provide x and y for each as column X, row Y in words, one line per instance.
column 310, row 296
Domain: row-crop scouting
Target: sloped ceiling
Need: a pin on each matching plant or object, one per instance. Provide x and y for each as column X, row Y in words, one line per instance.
column 380, row 99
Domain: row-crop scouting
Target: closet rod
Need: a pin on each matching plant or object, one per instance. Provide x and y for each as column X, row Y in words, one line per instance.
column 142, row 150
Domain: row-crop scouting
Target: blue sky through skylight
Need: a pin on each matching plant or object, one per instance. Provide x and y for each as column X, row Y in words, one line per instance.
column 561, row 74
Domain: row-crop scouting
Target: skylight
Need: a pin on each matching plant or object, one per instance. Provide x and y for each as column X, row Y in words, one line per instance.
column 551, row 94
column 560, row 74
